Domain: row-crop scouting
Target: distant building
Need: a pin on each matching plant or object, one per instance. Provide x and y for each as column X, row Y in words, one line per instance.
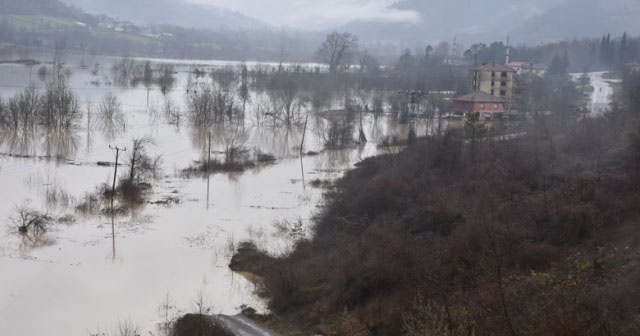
column 485, row 105
column 632, row 67
column 527, row 68
column 494, row 79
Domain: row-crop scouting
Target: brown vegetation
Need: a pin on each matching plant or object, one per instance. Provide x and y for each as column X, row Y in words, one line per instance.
column 530, row 236
column 200, row 325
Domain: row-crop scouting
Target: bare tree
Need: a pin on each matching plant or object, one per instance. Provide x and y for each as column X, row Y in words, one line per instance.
column 141, row 164
column 337, row 50
column 147, row 78
column 202, row 303
column 286, row 100
column 59, row 55
column 165, row 78
column 201, row 103
column 59, row 108
column 110, row 114
column 22, row 109
column 234, row 140
column 244, row 90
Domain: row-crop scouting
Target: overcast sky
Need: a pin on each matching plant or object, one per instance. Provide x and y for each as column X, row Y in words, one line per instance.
column 314, row 14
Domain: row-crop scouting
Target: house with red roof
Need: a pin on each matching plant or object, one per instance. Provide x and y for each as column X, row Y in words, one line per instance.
column 486, row 106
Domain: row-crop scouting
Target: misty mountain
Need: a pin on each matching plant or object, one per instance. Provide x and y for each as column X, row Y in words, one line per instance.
column 524, row 20
column 469, row 20
column 172, row 12
column 582, row 18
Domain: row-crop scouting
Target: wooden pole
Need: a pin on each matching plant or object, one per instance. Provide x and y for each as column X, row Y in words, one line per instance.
column 115, row 173
column 304, row 132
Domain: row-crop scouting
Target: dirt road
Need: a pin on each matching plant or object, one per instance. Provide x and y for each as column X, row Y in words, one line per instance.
column 601, row 94
column 242, row 326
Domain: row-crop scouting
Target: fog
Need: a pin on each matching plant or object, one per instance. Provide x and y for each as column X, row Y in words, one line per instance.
column 389, row 20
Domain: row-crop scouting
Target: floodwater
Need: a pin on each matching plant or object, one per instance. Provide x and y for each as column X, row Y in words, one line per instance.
column 93, row 273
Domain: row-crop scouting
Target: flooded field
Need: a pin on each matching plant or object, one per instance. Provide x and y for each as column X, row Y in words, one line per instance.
column 91, row 272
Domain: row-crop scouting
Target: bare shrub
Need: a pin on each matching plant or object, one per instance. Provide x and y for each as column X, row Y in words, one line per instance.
column 27, row 220
column 198, row 324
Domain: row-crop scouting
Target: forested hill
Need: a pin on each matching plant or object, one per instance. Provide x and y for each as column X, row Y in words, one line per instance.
column 171, row 12
column 41, row 24
column 39, row 7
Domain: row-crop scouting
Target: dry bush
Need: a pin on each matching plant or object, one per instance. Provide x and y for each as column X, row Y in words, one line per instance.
column 200, row 325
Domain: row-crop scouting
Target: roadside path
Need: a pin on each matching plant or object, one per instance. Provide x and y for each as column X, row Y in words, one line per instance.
column 601, row 94
column 242, row 326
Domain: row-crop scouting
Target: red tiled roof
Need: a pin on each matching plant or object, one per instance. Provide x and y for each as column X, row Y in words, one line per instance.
column 520, row 64
column 493, row 67
column 480, row 97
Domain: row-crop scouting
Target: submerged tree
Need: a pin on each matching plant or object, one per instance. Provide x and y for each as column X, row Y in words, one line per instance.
column 59, row 108
column 27, row 220
column 166, row 80
column 141, row 164
column 110, row 114
column 337, row 50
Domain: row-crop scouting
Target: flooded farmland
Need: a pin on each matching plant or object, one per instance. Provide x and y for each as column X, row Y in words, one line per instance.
column 93, row 270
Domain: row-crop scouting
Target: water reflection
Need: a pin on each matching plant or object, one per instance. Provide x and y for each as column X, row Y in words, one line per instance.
column 113, row 236
column 19, row 142
column 304, row 187
column 335, row 159
column 58, row 144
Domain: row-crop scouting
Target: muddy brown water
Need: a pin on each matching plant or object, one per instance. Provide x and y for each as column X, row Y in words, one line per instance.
column 80, row 278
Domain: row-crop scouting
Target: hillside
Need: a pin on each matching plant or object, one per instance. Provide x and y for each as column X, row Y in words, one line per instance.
column 43, row 23
column 524, row 20
column 39, row 7
column 170, row 12
column 467, row 235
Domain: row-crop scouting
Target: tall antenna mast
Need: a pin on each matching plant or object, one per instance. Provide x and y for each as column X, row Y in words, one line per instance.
column 454, row 49
column 508, row 50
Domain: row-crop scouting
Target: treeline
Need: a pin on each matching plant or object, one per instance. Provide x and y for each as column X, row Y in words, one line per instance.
column 470, row 234
column 56, row 109
column 607, row 53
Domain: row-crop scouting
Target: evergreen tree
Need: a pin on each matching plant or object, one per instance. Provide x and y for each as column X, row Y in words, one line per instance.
column 559, row 64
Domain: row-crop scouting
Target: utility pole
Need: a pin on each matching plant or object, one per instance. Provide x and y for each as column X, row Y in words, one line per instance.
column 209, row 169
column 304, row 132
column 115, row 173
column 209, row 154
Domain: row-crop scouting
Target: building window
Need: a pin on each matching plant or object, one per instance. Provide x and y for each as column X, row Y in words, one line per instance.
column 504, row 74
column 493, row 73
column 493, row 92
column 503, row 93
column 503, row 84
column 493, row 83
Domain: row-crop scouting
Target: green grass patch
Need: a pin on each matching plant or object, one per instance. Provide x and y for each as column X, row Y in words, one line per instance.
column 38, row 21
column 141, row 39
